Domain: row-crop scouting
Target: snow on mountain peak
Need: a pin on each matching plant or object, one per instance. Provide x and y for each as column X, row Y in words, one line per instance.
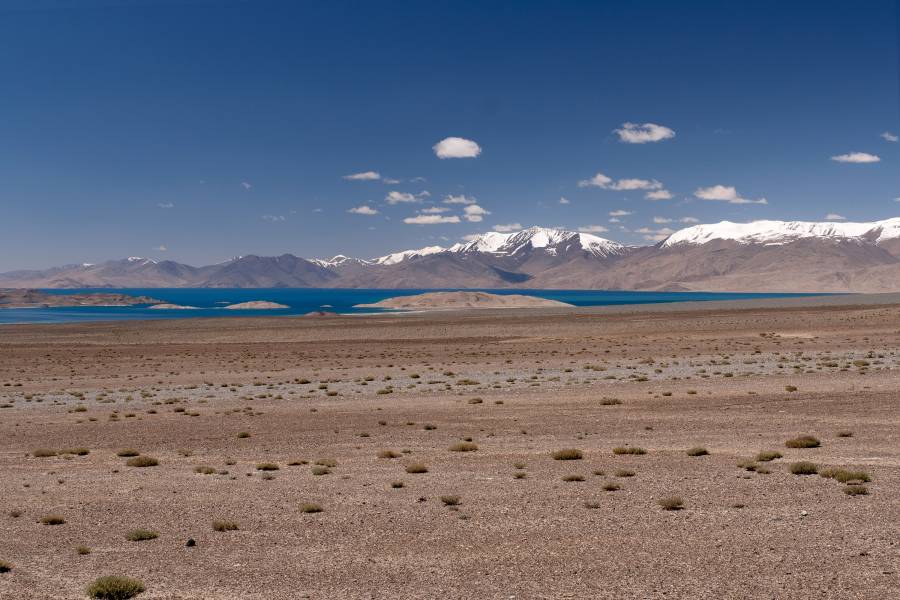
column 783, row 232
column 397, row 257
column 537, row 237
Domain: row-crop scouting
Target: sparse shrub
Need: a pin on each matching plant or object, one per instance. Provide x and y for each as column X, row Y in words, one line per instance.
column 388, row 454
column 141, row 535
column 804, row 468
column 5, row 567
column 475, row 401
column 127, row 452
column 397, row 484
column 698, row 451
column 294, row 463
column 570, row 478
column 429, row 427
column 225, row 526
column 520, row 475
column 845, row 476
column 243, row 435
column 204, row 470
column 142, row 461
column 114, row 587
column 451, row 500
column 53, row 520
column 624, row 473
column 768, row 455
column 320, row 470
column 567, row 454
column 611, row 487
column 77, row 451
column 790, row 388
column 845, row 434
column 43, row 453
column 803, row 441
column 591, row 504
column 464, row 447
column 416, row 468
column 610, row 402
column 856, row 490
column 671, row 503
column 267, row 466
column 310, row 507
column 629, row 450
column 82, row 550
column 747, row 465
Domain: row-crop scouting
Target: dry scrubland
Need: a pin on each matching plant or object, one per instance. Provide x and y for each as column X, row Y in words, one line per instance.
column 719, row 453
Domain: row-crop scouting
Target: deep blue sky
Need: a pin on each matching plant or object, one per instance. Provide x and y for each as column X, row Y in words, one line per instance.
column 126, row 126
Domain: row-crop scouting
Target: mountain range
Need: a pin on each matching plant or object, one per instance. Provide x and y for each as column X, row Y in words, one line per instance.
column 769, row 256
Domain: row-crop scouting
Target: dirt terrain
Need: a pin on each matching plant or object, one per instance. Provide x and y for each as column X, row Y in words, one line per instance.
column 254, row 423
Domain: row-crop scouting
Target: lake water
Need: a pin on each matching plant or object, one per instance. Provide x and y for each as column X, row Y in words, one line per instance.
column 210, row 302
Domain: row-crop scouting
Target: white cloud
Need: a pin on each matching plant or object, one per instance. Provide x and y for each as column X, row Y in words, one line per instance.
column 273, row 218
column 456, row 147
column 474, row 213
column 563, row 200
column 246, row 185
column 658, row 195
column 688, row 220
column 605, row 182
column 834, row 217
column 161, row 248
column 615, row 220
column 655, row 235
column 364, row 176
column 856, row 157
column 363, row 210
column 471, row 237
column 725, row 193
column 620, row 213
column 430, row 219
column 593, row 229
column 389, row 181
column 395, row 197
column 635, row 133
column 460, row 199
column 507, row 227
column 661, row 220
column 890, row 137
column 434, row 210
column 165, row 204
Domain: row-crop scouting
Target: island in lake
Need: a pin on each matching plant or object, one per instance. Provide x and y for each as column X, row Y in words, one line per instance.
column 29, row 298
column 463, row 300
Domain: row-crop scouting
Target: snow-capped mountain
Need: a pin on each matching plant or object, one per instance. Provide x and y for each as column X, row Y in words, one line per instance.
column 339, row 260
column 784, row 232
column 398, row 257
column 551, row 240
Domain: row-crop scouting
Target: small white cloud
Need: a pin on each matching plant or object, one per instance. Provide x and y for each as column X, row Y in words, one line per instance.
column 364, row 176
column 456, row 147
column 474, row 213
column 605, row 182
column 363, row 210
column 688, row 220
column 317, row 210
column 165, row 204
column 246, row 185
column 434, row 210
column 620, row 213
column 395, row 197
column 835, row 217
column 593, row 229
column 661, row 220
column 615, row 220
column 273, row 218
column 856, row 157
column 389, row 181
column 161, row 248
column 890, row 137
column 563, row 200
column 655, row 235
column 725, row 193
column 658, row 195
column 430, row 219
column 460, row 199
column 635, row 133
column 508, row 227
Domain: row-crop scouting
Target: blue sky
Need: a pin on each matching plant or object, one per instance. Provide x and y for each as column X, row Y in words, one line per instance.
column 218, row 128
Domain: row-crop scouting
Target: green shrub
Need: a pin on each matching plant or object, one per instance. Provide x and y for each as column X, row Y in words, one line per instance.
column 698, row 451
column 266, row 466
column 628, row 450
column 804, row 468
column 5, row 567
column 114, row 587
column 53, row 520
column 671, row 503
column 768, row 455
column 225, row 526
column 803, row 441
column 142, row 461
column 567, row 454
column 856, row 490
column 310, row 507
column 141, row 535
column 451, row 500
column 416, row 468
column 464, row 447
column 43, row 453
column 126, row 452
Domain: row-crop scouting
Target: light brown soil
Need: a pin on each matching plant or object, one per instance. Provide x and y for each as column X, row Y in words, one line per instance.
column 182, row 391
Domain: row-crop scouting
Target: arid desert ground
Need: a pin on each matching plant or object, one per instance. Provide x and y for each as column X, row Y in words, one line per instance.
column 426, row 443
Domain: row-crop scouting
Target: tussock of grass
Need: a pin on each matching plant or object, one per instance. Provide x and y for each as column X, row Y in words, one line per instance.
column 611, row 487
column 243, row 435
column 570, row 478
column 856, row 490
column 5, row 567
column 464, row 447
column 520, row 475
column 43, row 453
column 204, row 470
column 845, row 434
column 768, row 455
column 388, row 454
column 114, row 587
column 327, row 462
column 142, row 461
column 141, row 535
column 671, row 503
column 624, row 473
column 568, row 454
column 320, row 470
column 127, row 452
column 845, row 476
column 267, row 466
column 310, row 507
column 804, row 468
column 451, row 500
column 803, row 441
column 82, row 550
column 53, row 520
column 698, row 451
column 629, row 450
column 225, row 525
column 416, row 468
column 397, row 484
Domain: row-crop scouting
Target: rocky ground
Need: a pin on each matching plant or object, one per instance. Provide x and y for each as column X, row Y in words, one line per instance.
column 480, row 402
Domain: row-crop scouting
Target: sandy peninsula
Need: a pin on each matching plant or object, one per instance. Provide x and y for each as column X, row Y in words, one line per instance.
column 28, row 298
column 463, row 300
column 255, row 305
